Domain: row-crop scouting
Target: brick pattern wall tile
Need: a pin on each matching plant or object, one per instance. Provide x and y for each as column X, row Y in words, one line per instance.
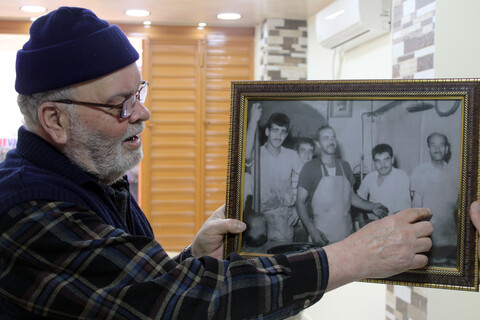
column 284, row 49
column 413, row 38
column 406, row 303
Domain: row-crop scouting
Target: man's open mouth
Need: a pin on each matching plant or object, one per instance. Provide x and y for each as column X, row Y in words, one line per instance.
column 133, row 138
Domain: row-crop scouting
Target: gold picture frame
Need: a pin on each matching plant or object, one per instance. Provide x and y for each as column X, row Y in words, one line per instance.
column 400, row 112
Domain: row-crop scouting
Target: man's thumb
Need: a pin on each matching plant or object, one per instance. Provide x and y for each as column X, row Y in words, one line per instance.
column 235, row 226
column 475, row 214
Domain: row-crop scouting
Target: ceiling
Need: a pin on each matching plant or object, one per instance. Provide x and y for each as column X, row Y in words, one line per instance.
column 177, row 12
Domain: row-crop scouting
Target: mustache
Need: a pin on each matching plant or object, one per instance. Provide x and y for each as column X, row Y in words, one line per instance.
column 134, row 129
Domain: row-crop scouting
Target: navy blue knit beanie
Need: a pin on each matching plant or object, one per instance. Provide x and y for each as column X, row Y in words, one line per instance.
column 67, row 46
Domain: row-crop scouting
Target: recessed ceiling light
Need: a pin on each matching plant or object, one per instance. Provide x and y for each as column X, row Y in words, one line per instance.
column 35, row 9
column 137, row 13
column 202, row 24
column 229, row 16
column 147, row 22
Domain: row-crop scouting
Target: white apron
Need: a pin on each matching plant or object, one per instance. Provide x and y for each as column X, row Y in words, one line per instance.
column 331, row 203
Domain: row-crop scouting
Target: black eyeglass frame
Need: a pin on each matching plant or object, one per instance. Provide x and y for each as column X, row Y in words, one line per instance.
column 123, row 114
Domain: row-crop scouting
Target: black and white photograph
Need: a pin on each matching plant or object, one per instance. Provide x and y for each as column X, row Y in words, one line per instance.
column 315, row 168
column 311, row 179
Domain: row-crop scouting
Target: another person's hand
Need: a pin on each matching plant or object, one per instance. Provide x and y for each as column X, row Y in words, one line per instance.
column 255, row 112
column 318, row 237
column 475, row 216
column 379, row 210
column 256, row 233
column 382, row 248
column 293, row 218
column 209, row 240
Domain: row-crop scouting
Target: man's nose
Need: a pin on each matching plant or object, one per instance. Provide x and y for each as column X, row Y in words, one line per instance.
column 140, row 113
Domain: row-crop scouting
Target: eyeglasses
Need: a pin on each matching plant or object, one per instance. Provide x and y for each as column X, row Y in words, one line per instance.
column 126, row 106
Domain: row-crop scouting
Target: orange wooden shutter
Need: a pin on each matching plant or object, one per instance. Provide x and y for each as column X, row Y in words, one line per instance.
column 184, row 170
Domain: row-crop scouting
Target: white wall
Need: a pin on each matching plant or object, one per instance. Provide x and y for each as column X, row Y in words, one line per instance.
column 257, row 52
column 457, row 49
column 355, row 301
column 11, row 118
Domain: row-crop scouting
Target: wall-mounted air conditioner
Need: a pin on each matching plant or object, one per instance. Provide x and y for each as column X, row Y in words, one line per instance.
column 349, row 23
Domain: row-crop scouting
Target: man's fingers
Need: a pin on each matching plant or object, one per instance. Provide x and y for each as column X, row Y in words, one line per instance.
column 423, row 245
column 220, row 212
column 419, row 261
column 235, row 226
column 423, row 229
column 475, row 214
column 224, row 226
column 209, row 240
column 417, row 214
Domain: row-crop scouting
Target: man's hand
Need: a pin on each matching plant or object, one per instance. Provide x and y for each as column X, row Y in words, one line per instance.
column 475, row 216
column 382, row 248
column 209, row 240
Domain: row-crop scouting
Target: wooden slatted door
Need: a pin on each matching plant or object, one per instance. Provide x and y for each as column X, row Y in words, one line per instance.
column 184, row 170
column 227, row 59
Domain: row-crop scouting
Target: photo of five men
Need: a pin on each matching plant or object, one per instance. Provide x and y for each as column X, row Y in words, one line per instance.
column 307, row 194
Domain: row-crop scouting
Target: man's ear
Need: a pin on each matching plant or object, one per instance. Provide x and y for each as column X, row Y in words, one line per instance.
column 54, row 121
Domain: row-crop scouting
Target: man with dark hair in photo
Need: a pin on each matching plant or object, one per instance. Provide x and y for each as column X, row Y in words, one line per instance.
column 276, row 164
column 325, row 188
column 305, row 149
column 74, row 243
column 387, row 185
column 434, row 185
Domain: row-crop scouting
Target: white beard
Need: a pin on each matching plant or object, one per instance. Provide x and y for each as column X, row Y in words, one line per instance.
column 97, row 154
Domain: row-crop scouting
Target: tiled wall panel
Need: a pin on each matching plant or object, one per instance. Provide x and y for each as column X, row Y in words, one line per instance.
column 406, row 303
column 284, row 49
column 413, row 39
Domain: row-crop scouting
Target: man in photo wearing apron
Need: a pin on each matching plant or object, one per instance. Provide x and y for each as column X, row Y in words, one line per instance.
column 325, row 194
column 435, row 185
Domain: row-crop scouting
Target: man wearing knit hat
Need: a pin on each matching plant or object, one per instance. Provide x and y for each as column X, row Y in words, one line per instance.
column 75, row 245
